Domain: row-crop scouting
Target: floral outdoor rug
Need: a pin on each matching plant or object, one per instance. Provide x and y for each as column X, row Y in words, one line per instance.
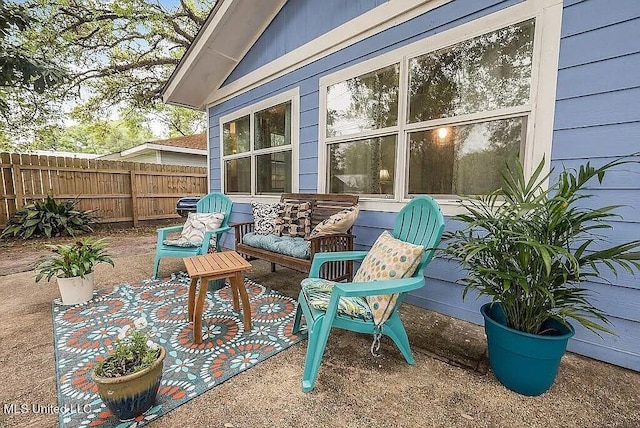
column 84, row 333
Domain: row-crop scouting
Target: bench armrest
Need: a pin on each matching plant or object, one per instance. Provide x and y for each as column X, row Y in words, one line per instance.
column 331, row 243
column 241, row 229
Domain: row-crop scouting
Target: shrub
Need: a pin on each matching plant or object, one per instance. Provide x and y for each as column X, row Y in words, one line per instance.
column 49, row 218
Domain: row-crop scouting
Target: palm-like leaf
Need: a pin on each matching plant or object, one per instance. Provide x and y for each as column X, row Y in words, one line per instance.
column 530, row 247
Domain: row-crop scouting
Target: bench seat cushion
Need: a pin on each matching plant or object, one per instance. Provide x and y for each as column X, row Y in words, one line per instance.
column 287, row 245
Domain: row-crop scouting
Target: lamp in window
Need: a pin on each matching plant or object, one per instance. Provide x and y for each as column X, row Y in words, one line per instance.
column 443, row 133
column 385, row 178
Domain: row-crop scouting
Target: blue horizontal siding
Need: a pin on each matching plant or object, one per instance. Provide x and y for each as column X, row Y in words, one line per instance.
column 583, row 16
column 597, row 116
column 595, row 141
column 296, row 24
column 600, row 44
column 600, row 77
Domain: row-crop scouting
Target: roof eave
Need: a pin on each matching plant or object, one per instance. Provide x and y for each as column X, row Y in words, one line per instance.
column 228, row 33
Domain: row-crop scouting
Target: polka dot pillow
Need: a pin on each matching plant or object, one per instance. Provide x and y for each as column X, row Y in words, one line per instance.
column 389, row 258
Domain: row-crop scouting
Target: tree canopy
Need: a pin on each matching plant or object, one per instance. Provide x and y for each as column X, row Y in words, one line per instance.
column 117, row 56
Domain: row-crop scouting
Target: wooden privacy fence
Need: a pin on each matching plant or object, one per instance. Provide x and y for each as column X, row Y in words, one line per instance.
column 119, row 191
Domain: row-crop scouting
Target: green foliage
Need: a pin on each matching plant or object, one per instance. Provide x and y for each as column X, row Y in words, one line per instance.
column 130, row 355
column 118, row 57
column 71, row 260
column 48, row 218
column 529, row 247
column 20, row 67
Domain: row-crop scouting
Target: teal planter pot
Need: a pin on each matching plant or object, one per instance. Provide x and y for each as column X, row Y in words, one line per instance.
column 524, row 363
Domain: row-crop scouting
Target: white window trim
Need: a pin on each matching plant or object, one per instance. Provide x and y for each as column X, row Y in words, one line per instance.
column 292, row 96
column 539, row 133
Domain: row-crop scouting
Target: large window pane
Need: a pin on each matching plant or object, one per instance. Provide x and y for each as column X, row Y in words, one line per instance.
column 237, row 175
column 363, row 166
column 235, row 136
column 488, row 72
column 274, row 173
column 363, row 103
column 273, row 126
column 463, row 160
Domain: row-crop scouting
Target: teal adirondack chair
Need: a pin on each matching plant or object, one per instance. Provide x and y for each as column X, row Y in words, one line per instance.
column 420, row 222
column 211, row 203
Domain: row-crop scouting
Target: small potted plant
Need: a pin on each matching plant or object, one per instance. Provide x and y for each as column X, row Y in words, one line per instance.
column 129, row 377
column 73, row 266
column 530, row 248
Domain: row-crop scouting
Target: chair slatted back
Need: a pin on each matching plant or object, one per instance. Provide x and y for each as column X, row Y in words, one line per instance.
column 216, row 203
column 420, row 222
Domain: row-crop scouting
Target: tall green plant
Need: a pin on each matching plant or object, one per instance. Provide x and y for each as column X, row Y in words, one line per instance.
column 49, row 218
column 530, row 247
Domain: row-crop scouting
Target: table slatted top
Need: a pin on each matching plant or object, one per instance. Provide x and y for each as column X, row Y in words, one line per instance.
column 215, row 264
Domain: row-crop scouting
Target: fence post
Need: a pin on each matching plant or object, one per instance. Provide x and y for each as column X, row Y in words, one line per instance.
column 134, row 198
column 18, row 186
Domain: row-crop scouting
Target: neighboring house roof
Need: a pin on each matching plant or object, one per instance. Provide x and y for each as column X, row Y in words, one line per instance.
column 191, row 144
column 228, row 33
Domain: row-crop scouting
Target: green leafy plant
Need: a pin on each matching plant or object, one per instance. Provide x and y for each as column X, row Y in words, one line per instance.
column 530, row 247
column 71, row 260
column 49, row 218
column 133, row 351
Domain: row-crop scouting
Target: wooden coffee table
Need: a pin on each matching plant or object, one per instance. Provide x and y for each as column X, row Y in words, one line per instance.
column 227, row 264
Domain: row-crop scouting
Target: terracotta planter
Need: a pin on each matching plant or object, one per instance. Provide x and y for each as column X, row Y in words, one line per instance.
column 130, row 396
column 78, row 289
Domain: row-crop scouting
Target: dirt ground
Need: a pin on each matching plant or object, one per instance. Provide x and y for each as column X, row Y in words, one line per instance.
column 450, row 385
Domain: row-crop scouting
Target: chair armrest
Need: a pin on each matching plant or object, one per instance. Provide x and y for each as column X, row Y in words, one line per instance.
column 207, row 237
column 321, row 258
column 164, row 231
column 373, row 288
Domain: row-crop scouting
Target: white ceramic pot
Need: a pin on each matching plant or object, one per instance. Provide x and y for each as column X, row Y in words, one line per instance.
column 76, row 290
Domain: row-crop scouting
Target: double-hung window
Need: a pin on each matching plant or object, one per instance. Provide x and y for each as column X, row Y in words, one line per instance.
column 259, row 146
column 436, row 117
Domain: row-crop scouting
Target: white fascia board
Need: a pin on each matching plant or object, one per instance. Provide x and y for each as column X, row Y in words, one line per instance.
column 223, row 41
column 134, row 150
column 376, row 20
column 137, row 150
column 163, row 148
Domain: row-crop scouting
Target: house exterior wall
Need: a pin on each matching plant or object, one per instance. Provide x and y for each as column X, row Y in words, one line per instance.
column 592, row 107
column 173, row 158
column 298, row 23
column 598, row 118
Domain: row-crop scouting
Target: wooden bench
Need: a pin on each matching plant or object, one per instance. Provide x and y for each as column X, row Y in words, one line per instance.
column 322, row 207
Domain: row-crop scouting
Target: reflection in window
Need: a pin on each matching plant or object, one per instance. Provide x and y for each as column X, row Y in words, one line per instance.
column 274, row 173
column 273, row 126
column 235, row 136
column 463, row 160
column 238, row 175
column 363, row 166
column 363, row 103
column 485, row 73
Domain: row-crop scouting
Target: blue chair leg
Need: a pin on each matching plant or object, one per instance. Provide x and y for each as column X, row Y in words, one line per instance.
column 298, row 318
column 156, row 266
column 315, row 349
column 395, row 330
